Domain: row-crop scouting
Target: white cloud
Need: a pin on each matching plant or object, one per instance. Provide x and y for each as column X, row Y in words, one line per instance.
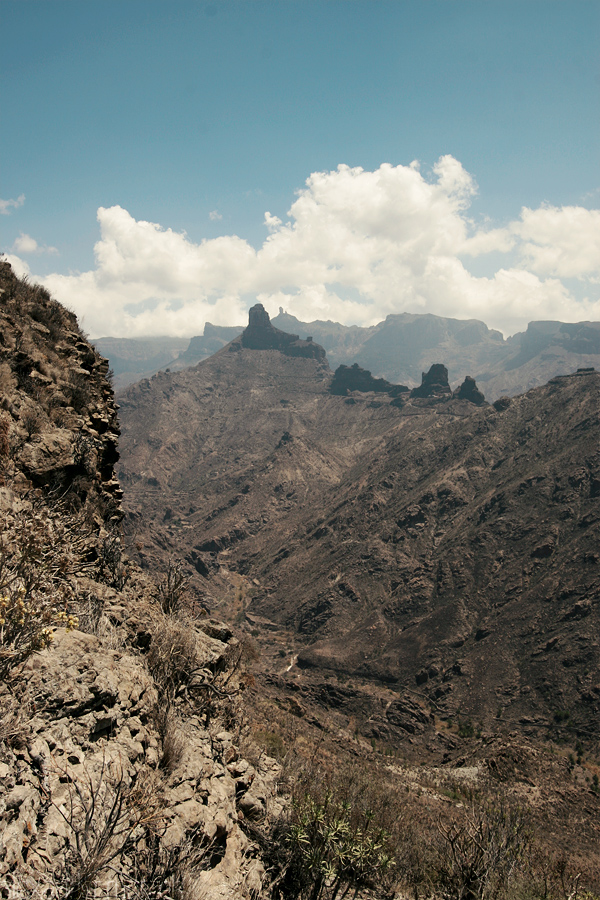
column 6, row 206
column 560, row 241
column 28, row 245
column 19, row 266
column 356, row 246
column 215, row 216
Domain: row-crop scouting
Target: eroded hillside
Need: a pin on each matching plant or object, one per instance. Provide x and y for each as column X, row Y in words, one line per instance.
column 420, row 540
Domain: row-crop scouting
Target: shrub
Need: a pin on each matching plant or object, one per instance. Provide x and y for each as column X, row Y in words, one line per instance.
column 482, row 850
column 38, row 552
column 112, row 563
column 179, row 674
column 105, row 816
column 172, row 658
column 337, row 836
column 172, row 588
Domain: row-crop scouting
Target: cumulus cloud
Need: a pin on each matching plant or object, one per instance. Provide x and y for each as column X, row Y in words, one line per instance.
column 561, row 241
column 7, row 206
column 28, row 245
column 356, row 246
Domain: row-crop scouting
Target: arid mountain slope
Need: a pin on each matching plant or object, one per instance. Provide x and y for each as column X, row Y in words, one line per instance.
column 128, row 766
column 462, row 561
column 424, row 543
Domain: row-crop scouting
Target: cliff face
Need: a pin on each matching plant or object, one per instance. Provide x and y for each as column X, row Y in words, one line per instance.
column 58, row 414
column 119, row 771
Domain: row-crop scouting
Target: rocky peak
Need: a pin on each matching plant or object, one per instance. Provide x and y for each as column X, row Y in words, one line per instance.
column 262, row 335
column 469, row 391
column 433, row 383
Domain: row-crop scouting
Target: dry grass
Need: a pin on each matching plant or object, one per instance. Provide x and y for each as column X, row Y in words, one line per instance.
column 172, row 657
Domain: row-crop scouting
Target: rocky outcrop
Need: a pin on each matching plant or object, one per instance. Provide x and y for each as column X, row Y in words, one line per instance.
column 261, row 335
column 59, row 409
column 434, row 383
column 469, row 391
column 352, row 378
column 91, row 757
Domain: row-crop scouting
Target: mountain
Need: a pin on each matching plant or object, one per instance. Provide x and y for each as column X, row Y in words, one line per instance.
column 403, row 346
column 137, row 733
column 398, row 349
column 546, row 349
column 420, row 539
column 134, row 358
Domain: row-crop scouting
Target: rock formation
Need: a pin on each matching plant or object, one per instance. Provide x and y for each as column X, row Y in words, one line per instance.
column 469, row 391
column 261, row 335
column 353, row 378
column 434, row 383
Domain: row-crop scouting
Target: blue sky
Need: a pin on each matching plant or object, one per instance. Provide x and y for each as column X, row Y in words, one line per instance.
column 201, row 117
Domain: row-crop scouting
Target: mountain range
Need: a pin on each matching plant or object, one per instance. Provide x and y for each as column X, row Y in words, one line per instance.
column 420, row 539
column 398, row 349
column 410, row 578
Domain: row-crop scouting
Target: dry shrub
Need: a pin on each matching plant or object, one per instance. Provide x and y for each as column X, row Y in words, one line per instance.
column 14, row 719
column 40, row 549
column 172, row 737
column 93, row 620
column 482, row 850
column 33, row 423
column 106, row 816
column 113, row 568
column 172, row 657
column 47, row 312
column 8, row 382
column 79, row 391
column 172, row 590
column 4, row 440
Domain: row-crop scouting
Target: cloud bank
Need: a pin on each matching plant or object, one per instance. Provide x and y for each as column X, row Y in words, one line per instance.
column 356, row 246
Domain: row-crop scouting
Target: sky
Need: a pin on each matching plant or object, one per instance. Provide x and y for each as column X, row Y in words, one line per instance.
column 164, row 164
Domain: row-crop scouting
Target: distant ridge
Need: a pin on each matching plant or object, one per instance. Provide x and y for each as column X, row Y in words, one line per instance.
column 398, row 350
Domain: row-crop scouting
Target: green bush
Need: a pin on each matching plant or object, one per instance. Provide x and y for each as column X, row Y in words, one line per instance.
column 337, row 836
